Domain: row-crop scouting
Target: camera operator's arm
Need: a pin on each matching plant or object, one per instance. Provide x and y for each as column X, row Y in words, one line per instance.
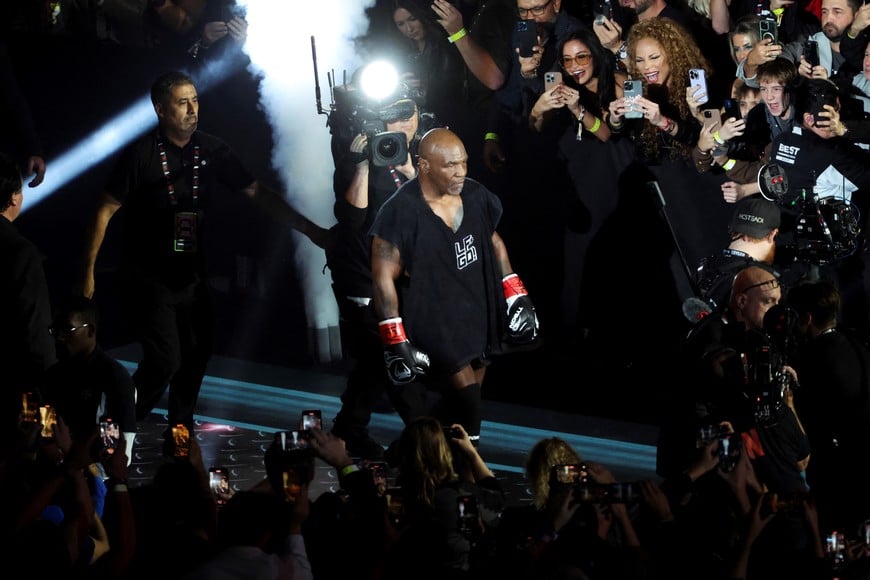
column 357, row 193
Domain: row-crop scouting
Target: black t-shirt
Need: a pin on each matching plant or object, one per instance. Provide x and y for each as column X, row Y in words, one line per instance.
column 139, row 183
column 452, row 298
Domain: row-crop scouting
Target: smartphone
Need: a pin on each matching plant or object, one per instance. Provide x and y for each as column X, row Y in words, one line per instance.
column 817, row 106
column 29, row 408
column 568, row 473
column 767, row 29
column 452, row 432
column 603, row 9
column 48, row 418
column 712, row 118
column 732, row 109
column 835, row 547
column 379, row 471
column 466, row 514
column 527, row 36
column 310, row 419
column 729, row 451
column 698, row 80
column 290, row 440
column 811, row 52
column 551, row 79
column 181, row 438
column 110, row 435
column 395, row 509
column 219, row 482
column 632, row 89
column 293, row 478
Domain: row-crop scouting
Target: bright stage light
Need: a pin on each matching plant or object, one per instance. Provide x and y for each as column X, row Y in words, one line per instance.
column 115, row 134
column 112, row 136
column 379, row 80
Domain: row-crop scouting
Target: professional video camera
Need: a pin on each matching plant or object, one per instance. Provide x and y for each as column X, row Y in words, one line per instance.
column 365, row 105
column 354, row 113
column 827, row 229
column 769, row 351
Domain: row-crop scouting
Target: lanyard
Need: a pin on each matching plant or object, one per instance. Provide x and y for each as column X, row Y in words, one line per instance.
column 173, row 200
column 395, row 175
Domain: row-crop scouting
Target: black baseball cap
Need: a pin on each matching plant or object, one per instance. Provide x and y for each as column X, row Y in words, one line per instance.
column 755, row 216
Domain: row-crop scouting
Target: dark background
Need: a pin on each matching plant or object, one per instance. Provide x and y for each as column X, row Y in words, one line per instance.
column 74, row 86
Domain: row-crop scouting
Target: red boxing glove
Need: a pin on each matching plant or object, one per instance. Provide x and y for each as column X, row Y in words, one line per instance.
column 522, row 319
column 403, row 361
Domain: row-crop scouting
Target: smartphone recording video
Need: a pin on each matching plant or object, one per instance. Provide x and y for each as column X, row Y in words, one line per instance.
column 181, row 439
column 48, row 418
column 310, row 419
column 219, row 482
column 631, row 90
column 290, row 440
column 29, row 408
column 110, row 435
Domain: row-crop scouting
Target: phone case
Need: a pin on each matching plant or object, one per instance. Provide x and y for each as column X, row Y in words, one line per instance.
column 767, row 29
column 732, row 109
column 604, row 8
column 551, row 79
column 698, row 79
column 631, row 90
column 712, row 117
column 527, row 36
column 811, row 52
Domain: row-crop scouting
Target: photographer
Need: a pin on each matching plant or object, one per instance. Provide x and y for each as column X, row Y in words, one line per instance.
column 361, row 187
column 738, row 376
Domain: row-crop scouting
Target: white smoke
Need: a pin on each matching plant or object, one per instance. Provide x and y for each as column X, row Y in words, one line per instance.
column 280, row 48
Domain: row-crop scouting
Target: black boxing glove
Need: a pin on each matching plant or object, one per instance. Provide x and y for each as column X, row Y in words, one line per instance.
column 403, row 361
column 522, row 319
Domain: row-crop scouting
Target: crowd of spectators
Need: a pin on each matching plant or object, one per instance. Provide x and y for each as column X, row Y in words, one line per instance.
column 611, row 199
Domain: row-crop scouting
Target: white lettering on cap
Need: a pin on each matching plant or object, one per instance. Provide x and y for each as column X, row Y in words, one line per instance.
column 748, row 217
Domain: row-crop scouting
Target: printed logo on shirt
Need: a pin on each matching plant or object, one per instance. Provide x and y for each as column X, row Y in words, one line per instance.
column 466, row 252
column 787, row 153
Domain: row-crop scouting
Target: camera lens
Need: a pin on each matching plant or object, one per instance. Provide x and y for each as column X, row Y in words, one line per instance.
column 388, row 148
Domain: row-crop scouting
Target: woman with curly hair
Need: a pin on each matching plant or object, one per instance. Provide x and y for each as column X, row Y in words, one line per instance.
column 660, row 54
column 662, row 183
column 559, row 535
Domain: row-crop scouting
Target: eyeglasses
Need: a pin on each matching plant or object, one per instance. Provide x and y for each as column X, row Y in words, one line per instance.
column 534, row 10
column 402, row 118
column 581, row 59
column 766, row 285
column 65, row 331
